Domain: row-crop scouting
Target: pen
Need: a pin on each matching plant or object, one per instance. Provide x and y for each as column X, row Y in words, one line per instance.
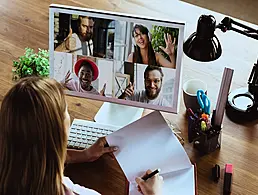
column 191, row 113
column 216, row 173
column 151, row 174
column 213, row 117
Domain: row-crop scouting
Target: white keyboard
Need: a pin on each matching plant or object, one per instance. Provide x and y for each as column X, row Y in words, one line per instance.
column 84, row 133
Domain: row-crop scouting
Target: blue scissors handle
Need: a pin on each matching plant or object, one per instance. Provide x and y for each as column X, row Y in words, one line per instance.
column 203, row 101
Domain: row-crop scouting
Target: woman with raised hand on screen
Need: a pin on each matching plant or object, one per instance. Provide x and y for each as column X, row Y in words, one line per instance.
column 143, row 50
column 33, row 137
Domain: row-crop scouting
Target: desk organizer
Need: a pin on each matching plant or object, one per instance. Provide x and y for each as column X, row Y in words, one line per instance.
column 205, row 141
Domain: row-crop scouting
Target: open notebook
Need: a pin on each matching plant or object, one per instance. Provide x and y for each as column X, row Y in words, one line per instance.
column 149, row 143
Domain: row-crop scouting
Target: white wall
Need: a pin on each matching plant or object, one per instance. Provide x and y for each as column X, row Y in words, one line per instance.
column 62, row 63
column 105, row 76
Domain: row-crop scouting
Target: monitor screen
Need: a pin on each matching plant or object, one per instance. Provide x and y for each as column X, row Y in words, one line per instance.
column 115, row 57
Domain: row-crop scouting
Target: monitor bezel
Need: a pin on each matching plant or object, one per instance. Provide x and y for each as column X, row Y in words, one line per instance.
column 129, row 18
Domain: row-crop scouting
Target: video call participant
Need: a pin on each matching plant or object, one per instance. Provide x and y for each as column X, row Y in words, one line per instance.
column 153, row 77
column 87, row 71
column 143, row 50
column 33, row 137
column 79, row 43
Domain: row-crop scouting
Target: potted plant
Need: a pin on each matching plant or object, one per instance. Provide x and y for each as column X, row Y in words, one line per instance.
column 31, row 64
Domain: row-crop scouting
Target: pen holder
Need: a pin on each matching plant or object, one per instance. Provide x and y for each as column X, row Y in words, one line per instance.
column 204, row 141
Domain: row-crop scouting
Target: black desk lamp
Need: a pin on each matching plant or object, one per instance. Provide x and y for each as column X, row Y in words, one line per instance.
column 204, row 46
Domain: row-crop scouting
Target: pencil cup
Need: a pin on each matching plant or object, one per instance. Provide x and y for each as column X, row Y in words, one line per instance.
column 190, row 89
column 206, row 144
column 205, row 140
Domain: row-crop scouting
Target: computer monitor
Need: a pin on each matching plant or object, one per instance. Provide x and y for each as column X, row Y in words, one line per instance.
column 115, row 57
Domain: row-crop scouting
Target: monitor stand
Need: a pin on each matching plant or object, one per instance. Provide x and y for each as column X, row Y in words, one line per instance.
column 117, row 115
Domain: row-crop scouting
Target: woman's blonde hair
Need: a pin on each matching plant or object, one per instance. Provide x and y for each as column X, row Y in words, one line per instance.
column 33, row 138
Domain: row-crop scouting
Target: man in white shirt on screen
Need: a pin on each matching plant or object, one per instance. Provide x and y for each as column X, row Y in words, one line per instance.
column 153, row 77
column 79, row 43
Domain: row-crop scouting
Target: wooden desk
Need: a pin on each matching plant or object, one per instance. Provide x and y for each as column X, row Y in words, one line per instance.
column 25, row 23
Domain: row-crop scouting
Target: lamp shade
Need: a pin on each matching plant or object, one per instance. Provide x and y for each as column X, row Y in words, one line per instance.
column 203, row 45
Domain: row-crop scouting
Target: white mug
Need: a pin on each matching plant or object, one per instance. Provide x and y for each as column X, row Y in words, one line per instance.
column 190, row 89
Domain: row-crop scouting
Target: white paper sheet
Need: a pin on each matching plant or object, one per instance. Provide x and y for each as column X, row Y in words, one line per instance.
column 177, row 182
column 62, row 63
column 148, row 144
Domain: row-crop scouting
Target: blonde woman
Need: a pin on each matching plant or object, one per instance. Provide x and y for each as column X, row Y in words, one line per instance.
column 33, row 136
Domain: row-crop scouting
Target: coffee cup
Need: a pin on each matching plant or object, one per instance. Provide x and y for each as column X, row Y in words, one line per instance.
column 190, row 89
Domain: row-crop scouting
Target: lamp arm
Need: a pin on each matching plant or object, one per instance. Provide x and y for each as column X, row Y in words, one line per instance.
column 253, row 82
column 226, row 24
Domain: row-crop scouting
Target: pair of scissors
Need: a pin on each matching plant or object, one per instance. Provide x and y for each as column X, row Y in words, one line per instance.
column 203, row 101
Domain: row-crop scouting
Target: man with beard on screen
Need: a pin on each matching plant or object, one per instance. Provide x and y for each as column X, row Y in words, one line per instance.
column 153, row 77
column 79, row 43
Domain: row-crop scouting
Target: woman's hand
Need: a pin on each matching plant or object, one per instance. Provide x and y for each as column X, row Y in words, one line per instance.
column 152, row 186
column 98, row 149
column 170, row 46
column 90, row 154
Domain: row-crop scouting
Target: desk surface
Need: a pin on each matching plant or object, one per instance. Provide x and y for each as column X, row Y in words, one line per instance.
column 25, row 23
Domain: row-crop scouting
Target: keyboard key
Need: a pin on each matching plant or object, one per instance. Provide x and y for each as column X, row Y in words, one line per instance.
column 88, row 128
column 99, row 131
column 94, row 139
column 83, row 145
column 105, row 132
column 76, row 139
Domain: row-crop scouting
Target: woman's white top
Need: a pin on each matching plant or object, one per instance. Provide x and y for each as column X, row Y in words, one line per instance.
column 77, row 189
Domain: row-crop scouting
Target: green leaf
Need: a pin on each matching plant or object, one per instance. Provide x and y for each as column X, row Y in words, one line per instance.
column 31, row 63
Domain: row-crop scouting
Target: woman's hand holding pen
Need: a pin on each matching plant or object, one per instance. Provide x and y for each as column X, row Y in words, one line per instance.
column 150, row 186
